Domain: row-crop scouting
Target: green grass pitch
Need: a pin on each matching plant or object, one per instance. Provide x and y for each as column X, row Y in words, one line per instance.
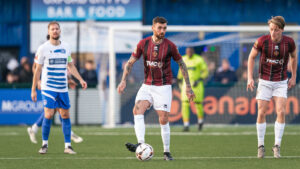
column 216, row 147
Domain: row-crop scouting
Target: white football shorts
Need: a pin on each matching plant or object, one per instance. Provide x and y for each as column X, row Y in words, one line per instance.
column 158, row 96
column 267, row 89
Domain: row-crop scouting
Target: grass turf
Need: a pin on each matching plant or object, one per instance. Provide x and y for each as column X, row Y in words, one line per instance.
column 215, row 147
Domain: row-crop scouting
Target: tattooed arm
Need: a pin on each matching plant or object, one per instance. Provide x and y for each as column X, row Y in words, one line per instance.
column 126, row 72
column 189, row 92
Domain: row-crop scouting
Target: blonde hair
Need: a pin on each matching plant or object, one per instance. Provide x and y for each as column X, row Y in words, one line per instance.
column 53, row 23
column 277, row 20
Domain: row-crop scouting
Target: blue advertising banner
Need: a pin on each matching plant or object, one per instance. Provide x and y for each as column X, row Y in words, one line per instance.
column 16, row 107
column 80, row 10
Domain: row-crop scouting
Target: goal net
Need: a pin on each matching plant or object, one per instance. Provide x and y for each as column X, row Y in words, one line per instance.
column 225, row 104
column 110, row 45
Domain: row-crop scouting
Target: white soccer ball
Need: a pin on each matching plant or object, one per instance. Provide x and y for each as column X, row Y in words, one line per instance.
column 144, row 152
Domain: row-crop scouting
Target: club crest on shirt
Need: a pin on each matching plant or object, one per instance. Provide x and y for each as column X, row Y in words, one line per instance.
column 154, row 53
column 276, row 53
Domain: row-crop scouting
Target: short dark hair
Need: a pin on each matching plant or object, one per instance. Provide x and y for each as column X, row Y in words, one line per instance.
column 277, row 20
column 159, row 19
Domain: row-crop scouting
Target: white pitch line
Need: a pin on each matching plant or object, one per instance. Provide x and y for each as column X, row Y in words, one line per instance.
column 158, row 133
column 133, row 158
column 185, row 134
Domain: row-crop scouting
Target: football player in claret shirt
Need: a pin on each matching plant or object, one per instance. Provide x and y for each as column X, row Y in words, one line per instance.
column 156, row 90
column 276, row 50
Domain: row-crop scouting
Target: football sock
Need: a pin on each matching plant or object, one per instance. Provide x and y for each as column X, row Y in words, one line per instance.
column 200, row 112
column 261, row 130
column 139, row 128
column 279, row 129
column 46, row 128
column 165, row 135
column 60, row 118
column 67, row 145
column 39, row 122
column 35, row 128
column 66, row 127
column 45, row 142
column 185, row 111
column 186, row 124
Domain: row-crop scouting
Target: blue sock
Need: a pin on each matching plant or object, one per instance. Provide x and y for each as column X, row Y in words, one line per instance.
column 39, row 122
column 66, row 127
column 60, row 118
column 46, row 128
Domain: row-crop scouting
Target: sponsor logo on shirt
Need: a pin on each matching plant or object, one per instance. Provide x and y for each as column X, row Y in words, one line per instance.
column 58, row 61
column 154, row 64
column 63, row 51
column 275, row 61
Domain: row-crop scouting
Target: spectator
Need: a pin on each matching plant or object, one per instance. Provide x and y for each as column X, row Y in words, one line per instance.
column 12, row 77
column 25, row 71
column 225, row 74
column 89, row 74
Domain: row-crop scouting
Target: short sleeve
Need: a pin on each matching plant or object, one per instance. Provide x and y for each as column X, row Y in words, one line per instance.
column 292, row 45
column 39, row 57
column 69, row 54
column 258, row 44
column 175, row 53
column 137, row 53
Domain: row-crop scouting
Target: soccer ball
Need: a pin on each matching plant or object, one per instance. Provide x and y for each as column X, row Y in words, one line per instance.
column 144, row 152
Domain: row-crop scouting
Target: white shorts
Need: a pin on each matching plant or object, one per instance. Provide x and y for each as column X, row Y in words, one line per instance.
column 267, row 89
column 158, row 96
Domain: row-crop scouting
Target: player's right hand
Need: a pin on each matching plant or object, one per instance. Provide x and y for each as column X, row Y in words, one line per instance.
column 33, row 95
column 190, row 94
column 250, row 85
column 121, row 87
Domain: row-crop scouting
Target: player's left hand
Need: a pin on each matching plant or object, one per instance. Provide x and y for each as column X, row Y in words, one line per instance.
column 190, row 94
column 83, row 84
column 292, row 83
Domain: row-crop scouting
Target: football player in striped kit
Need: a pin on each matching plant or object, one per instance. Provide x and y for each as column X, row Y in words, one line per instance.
column 53, row 60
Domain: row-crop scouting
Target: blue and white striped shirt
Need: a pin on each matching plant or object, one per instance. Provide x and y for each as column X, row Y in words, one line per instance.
column 55, row 60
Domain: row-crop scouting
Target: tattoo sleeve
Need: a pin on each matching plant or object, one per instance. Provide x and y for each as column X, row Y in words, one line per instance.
column 128, row 67
column 184, row 72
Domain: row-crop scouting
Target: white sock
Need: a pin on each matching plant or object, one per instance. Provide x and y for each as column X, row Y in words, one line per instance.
column 165, row 135
column 45, row 142
column 67, row 145
column 261, row 130
column 139, row 128
column 186, row 124
column 278, row 129
column 35, row 128
column 200, row 121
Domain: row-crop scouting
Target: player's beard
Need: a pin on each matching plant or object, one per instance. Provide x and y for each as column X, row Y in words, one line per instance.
column 160, row 36
column 56, row 38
